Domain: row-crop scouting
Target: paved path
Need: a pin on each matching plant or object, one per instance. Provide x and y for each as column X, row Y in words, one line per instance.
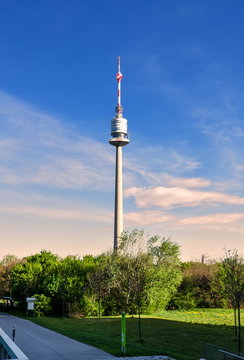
column 39, row 343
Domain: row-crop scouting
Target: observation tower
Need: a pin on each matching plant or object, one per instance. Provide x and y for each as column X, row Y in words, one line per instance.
column 119, row 138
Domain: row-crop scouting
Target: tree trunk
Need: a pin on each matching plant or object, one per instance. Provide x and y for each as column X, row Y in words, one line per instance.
column 235, row 323
column 139, row 322
column 99, row 307
column 69, row 309
column 62, row 305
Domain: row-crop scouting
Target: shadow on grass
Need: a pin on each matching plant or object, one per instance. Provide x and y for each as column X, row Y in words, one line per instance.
column 179, row 340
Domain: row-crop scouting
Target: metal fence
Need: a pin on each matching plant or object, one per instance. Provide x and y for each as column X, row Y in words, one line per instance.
column 225, row 355
column 8, row 349
column 212, row 352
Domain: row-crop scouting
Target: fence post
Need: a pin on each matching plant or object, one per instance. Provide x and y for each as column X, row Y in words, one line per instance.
column 13, row 333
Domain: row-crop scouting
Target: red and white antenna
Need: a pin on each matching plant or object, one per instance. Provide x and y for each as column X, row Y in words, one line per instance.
column 119, row 76
column 119, row 131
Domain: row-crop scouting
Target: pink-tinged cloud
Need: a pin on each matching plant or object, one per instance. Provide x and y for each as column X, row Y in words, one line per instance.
column 146, row 217
column 165, row 179
column 188, row 182
column 214, row 219
column 171, row 197
column 58, row 214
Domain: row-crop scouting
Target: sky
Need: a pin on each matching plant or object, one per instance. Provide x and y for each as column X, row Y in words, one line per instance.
column 183, row 96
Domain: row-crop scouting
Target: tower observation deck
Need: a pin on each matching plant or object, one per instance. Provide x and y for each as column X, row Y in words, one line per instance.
column 119, row 138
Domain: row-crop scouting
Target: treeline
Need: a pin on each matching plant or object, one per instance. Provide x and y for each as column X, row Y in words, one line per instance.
column 202, row 286
column 143, row 275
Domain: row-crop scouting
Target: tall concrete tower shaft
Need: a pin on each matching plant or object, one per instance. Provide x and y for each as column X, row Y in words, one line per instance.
column 119, row 138
column 118, row 203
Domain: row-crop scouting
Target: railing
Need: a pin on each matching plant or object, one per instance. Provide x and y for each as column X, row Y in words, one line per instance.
column 8, row 349
column 225, row 355
column 212, row 352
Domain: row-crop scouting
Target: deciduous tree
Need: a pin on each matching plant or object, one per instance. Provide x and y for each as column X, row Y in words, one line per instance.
column 233, row 276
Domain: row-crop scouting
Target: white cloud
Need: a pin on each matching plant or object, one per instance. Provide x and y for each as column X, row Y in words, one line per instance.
column 147, row 218
column 165, row 179
column 166, row 222
column 213, row 219
column 178, row 197
column 58, row 214
column 188, row 182
column 221, row 122
column 38, row 149
column 170, row 159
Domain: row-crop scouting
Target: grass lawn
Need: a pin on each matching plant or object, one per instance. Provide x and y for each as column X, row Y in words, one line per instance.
column 179, row 334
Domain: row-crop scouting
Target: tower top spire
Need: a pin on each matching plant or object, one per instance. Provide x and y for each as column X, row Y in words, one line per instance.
column 119, row 76
column 118, row 64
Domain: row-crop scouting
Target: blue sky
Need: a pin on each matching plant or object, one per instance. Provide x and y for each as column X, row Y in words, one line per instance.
column 182, row 92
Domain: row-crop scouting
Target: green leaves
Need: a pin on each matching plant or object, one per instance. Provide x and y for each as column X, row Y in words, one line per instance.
column 42, row 305
column 143, row 274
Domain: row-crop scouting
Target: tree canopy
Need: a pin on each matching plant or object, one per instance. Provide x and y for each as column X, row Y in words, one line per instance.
column 144, row 275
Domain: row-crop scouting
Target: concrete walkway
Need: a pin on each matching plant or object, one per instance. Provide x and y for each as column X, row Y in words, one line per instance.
column 39, row 343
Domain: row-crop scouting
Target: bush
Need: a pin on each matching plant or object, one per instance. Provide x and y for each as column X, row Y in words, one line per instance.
column 42, row 305
column 91, row 306
column 180, row 302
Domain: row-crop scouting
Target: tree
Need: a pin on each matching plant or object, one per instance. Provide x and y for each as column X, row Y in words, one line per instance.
column 140, row 277
column 61, row 280
column 32, row 275
column 200, row 287
column 100, row 279
column 6, row 265
column 68, row 285
column 233, row 278
column 72, row 283
column 24, row 280
column 149, row 271
column 141, row 280
column 166, row 272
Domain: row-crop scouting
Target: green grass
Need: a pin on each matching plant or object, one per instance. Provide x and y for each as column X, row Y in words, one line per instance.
column 202, row 316
column 179, row 334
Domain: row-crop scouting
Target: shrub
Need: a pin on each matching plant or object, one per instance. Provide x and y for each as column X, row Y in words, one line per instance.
column 42, row 305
